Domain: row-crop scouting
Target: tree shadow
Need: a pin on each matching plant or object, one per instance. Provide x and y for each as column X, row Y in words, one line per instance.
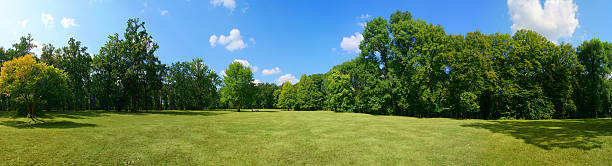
column 580, row 134
column 74, row 114
column 46, row 125
column 253, row 111
column 198, row 113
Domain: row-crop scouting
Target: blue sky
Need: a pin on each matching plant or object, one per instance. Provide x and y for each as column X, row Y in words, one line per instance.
column 286, row 38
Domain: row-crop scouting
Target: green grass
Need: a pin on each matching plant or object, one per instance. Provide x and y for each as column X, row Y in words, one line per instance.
column 298, row 138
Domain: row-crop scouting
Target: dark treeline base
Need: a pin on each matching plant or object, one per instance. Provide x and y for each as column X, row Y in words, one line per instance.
column 406, row 67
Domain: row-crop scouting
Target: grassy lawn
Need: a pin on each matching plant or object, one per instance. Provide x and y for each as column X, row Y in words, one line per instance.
column 298, row 138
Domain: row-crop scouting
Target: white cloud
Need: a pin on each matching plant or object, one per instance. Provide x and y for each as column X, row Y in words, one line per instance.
column 223, row 73
column 276, row 70
column 287, row 77
column 365, row 16
column 213, row 41
column 256, row 81
column 247, row 64
column 68, row 22
column 163, row 12
column 252, row 40
column 232, row 42
column 23, row 23
column 47, row 19
column 351, row 44
column 556, row 19
column 230, row 4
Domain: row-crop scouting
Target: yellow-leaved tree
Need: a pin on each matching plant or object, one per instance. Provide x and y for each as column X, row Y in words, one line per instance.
column 31, row 83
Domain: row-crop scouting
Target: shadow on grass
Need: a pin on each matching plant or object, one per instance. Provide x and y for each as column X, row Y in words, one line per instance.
column 74, row 114
column 47, row 125
column 198, row 113
column 580, row 134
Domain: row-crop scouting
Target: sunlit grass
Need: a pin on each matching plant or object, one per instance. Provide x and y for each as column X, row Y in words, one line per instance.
column 272, row 137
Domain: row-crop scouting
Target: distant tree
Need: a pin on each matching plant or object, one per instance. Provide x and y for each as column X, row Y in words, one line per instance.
column 31, row 83
column 595, row 56
column 340, row 93
column 76, row 62
column 128, row 71
column 309, row 93
column 287, row 96
column 239, row 89
column 191, row 85
column 265, row 95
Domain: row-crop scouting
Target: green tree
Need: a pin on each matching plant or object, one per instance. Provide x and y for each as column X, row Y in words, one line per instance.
column 239, row 89
column 309, row 94
column 287, row 97
column 265, row 97
column 340, row 93
column 76, row 62
column 129, row 70
column 31, row 83
column 595, row 56
column 191, row 85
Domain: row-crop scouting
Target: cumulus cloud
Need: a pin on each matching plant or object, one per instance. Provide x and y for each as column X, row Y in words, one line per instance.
column 213, row 40
column 351, row 44
column 554, row 20
column 256, row 81
column 163, row 12
column 223, row 73
column 68, row 22
column 230, row 4
column 47, row 19
column 232, row 42
column 276, row 70
column 252, row 40
column 287, row 78
column 247, row 64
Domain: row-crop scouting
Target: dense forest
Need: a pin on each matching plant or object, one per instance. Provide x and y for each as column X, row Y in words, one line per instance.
column 406, row 67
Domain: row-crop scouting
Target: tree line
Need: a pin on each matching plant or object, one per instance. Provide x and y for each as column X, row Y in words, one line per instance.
column 413, row 68
column 406, row 67
column 124, row 76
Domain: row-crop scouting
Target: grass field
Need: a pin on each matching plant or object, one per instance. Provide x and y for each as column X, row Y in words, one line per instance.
column 298, row 138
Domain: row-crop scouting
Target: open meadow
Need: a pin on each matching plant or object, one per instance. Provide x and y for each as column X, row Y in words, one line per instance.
column 274, row 137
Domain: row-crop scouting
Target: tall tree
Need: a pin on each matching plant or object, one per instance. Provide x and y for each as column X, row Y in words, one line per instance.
column 287, row 96
column 595, row 56
column 31, row 83
column 130, row 69
column 239, row 88
column 76, row 62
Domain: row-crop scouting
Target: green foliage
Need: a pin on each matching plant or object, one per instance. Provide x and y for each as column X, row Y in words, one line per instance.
column 76, row 62
column 287, row 97
column 127, row 73
column 265, row 97
column 31, row 84
column 238, row 90
column 309, row 93
column 595, row 56
column 190, row 85
column 340, row 93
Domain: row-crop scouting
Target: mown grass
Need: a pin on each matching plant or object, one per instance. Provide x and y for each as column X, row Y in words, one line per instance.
column 297, row 138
